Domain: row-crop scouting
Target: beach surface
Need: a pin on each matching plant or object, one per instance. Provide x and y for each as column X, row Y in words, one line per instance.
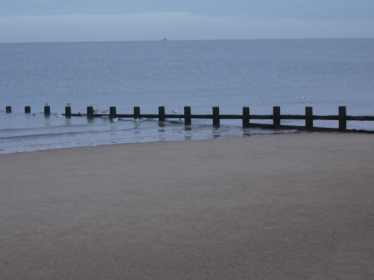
column 274, row 207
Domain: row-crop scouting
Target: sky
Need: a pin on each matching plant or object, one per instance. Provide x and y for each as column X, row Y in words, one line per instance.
column 148, row 20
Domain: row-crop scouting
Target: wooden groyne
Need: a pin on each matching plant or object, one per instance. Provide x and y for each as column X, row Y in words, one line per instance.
column 245, row 117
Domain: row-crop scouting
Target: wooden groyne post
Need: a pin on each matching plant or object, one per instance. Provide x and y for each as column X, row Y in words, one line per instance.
column 90, row 112
column 47, row 110
column 276, row 116
column 342, row 118
column 8, row 109
column 216, row 122
column 136, row 113
column 68, row 111
column 187, row 115
column 309, row 118
column 161, row 113
column 245, row 117
column 112, row 112
column 27, row 109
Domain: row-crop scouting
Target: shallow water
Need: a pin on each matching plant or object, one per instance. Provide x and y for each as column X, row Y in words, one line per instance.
column 293, row 74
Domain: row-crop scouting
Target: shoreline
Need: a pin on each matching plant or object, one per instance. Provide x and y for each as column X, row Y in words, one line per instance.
column 169, row 138
column 278, row 207
column 66, row 135
column 213, row 137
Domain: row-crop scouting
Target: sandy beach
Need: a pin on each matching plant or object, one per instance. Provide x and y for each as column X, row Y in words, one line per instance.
column 274, row 207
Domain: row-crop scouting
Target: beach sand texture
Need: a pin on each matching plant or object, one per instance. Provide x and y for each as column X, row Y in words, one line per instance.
column 274, row 207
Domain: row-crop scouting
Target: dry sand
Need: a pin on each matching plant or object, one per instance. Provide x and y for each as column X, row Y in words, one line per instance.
column 276, row 207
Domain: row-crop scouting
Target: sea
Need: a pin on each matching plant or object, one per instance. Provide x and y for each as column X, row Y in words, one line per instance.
column 231, row 74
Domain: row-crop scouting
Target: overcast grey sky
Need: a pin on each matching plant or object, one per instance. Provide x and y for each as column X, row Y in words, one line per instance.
column 129, row 20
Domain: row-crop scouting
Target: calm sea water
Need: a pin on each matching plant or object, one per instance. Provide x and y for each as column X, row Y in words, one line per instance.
column 323, row 73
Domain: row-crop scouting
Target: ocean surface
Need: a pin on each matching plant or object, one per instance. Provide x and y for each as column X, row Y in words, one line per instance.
column 231, row 74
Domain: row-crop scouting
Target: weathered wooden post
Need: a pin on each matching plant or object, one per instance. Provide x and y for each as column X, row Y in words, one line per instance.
column 187, row 115
column 245, row 116
column 47, row 110
column 215, row 116
column 90, row 112
column 27, row 109
column 67, row 111
column 161, row 113
column 136, row 113
column 8, row 109
column 342, row 118
column 309, row 117
column 112, row 112
column 276, row 116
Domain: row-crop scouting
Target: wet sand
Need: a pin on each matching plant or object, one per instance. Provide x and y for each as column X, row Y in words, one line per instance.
column 273, row 207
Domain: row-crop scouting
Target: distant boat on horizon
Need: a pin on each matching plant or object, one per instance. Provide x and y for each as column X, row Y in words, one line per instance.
column 165, row 39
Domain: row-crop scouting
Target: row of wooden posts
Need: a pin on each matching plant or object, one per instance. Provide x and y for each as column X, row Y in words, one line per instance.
column 276, row 117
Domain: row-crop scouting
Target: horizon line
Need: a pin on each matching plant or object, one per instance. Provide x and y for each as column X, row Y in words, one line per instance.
column 176, row 40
